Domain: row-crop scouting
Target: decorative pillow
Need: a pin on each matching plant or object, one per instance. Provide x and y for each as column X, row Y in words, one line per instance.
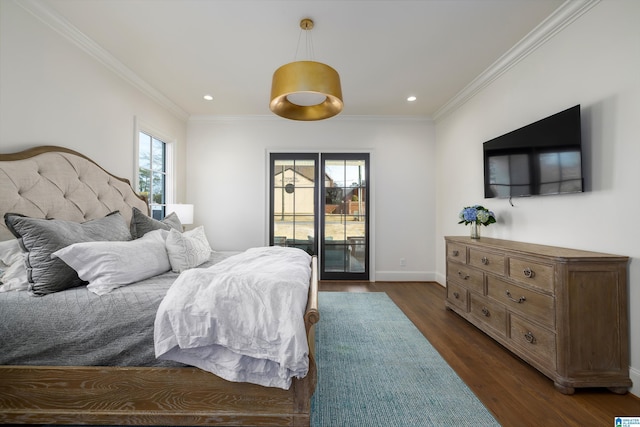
column 110, row 265
column 42, row 237
column 141, row 224
column 187, row 250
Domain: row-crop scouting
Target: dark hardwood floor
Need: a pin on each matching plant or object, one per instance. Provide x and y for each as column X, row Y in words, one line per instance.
column 515, row 393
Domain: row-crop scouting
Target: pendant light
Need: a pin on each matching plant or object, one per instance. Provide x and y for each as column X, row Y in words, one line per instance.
column 306, row 90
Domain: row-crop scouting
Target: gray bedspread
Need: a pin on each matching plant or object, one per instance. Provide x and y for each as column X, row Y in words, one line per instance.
column 78, row 328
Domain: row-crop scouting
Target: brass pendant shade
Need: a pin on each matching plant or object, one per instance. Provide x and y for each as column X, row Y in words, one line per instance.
column 306, row 78
column 306, row 90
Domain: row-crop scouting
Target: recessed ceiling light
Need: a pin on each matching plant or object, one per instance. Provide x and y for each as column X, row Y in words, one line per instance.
column 411, row 98
column 208, row 97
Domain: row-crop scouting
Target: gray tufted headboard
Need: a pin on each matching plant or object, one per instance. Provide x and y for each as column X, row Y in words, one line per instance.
column 59, row 183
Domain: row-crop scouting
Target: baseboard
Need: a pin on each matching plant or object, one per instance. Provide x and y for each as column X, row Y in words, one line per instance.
column 634, row 374
column 405, row 276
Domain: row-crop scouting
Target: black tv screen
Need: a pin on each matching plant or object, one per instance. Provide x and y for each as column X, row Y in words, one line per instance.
column 544, row 157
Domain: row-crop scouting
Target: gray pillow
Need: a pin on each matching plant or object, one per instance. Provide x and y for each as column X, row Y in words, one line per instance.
column 141, row 223
column 41, row 237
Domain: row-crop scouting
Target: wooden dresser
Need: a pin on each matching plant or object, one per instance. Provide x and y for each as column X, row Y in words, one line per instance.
column 563, row 311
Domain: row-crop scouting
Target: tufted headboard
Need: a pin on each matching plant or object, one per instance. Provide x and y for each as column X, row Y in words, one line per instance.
column 59, row 183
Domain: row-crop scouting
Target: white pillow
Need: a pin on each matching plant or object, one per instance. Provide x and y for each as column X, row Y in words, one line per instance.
column 14, row 277
column 13, row 271
column 110, row 265
column 187, row 250
column 10, row 252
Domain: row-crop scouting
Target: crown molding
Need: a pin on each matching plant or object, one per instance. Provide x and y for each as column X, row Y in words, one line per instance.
column 56, row 22
column 568, row 12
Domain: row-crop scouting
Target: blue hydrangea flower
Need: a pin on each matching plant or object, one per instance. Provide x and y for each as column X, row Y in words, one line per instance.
column 470, row 214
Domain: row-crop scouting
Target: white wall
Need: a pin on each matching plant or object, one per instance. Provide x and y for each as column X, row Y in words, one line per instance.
column 593, row 62
column 53, row 93
column 227, row 181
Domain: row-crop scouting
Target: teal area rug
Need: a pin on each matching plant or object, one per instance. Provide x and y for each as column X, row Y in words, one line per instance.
column 375, row 368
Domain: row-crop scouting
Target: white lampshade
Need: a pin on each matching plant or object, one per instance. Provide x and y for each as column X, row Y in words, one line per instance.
column 184, row 212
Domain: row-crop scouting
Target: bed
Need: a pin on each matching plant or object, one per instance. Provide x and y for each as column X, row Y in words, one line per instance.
column 125, row 390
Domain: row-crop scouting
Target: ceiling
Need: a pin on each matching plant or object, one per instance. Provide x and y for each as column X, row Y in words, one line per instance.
column 383, row 50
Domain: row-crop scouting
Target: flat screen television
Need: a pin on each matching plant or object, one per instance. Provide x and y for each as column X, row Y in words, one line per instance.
column 542, row 158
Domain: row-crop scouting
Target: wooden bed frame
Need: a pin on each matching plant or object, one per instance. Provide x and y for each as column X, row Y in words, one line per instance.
column 148, row 396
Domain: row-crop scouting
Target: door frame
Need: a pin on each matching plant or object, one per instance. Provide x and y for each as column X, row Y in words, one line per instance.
column 371, row 194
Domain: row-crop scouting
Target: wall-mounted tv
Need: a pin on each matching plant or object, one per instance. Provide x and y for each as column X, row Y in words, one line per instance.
column 544, row 157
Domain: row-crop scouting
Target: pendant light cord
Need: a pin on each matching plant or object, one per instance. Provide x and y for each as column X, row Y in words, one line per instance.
column 308, row 44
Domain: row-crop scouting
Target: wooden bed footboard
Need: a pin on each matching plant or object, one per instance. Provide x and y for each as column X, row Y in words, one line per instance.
column 155, row 396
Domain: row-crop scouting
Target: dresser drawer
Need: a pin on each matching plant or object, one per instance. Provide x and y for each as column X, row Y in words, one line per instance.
column 457, row 252
column 534, row 340
column 458, row 296
column 533, row 305
column 531, row 273
column 465, row 276
column 487, row 261
column 489, row 313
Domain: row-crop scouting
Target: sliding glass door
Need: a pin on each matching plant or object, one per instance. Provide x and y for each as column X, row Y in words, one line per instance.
column 344, row 245
column 332, row 198
column 294, row 196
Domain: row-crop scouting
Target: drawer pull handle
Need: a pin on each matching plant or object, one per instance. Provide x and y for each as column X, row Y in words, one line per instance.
column 528, row 273
column 463, row 275
column 485, row 312
column 518, row 301
column 530, row 338
column 455, row 253
column 484, row 260
column 456, row 295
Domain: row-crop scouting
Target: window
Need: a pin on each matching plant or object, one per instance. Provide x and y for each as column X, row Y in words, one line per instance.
column 154, row 176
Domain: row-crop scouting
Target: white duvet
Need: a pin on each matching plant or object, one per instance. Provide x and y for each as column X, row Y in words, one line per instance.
column 241, row 319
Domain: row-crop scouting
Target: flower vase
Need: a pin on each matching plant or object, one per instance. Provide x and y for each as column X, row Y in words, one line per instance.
column 475, row 230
